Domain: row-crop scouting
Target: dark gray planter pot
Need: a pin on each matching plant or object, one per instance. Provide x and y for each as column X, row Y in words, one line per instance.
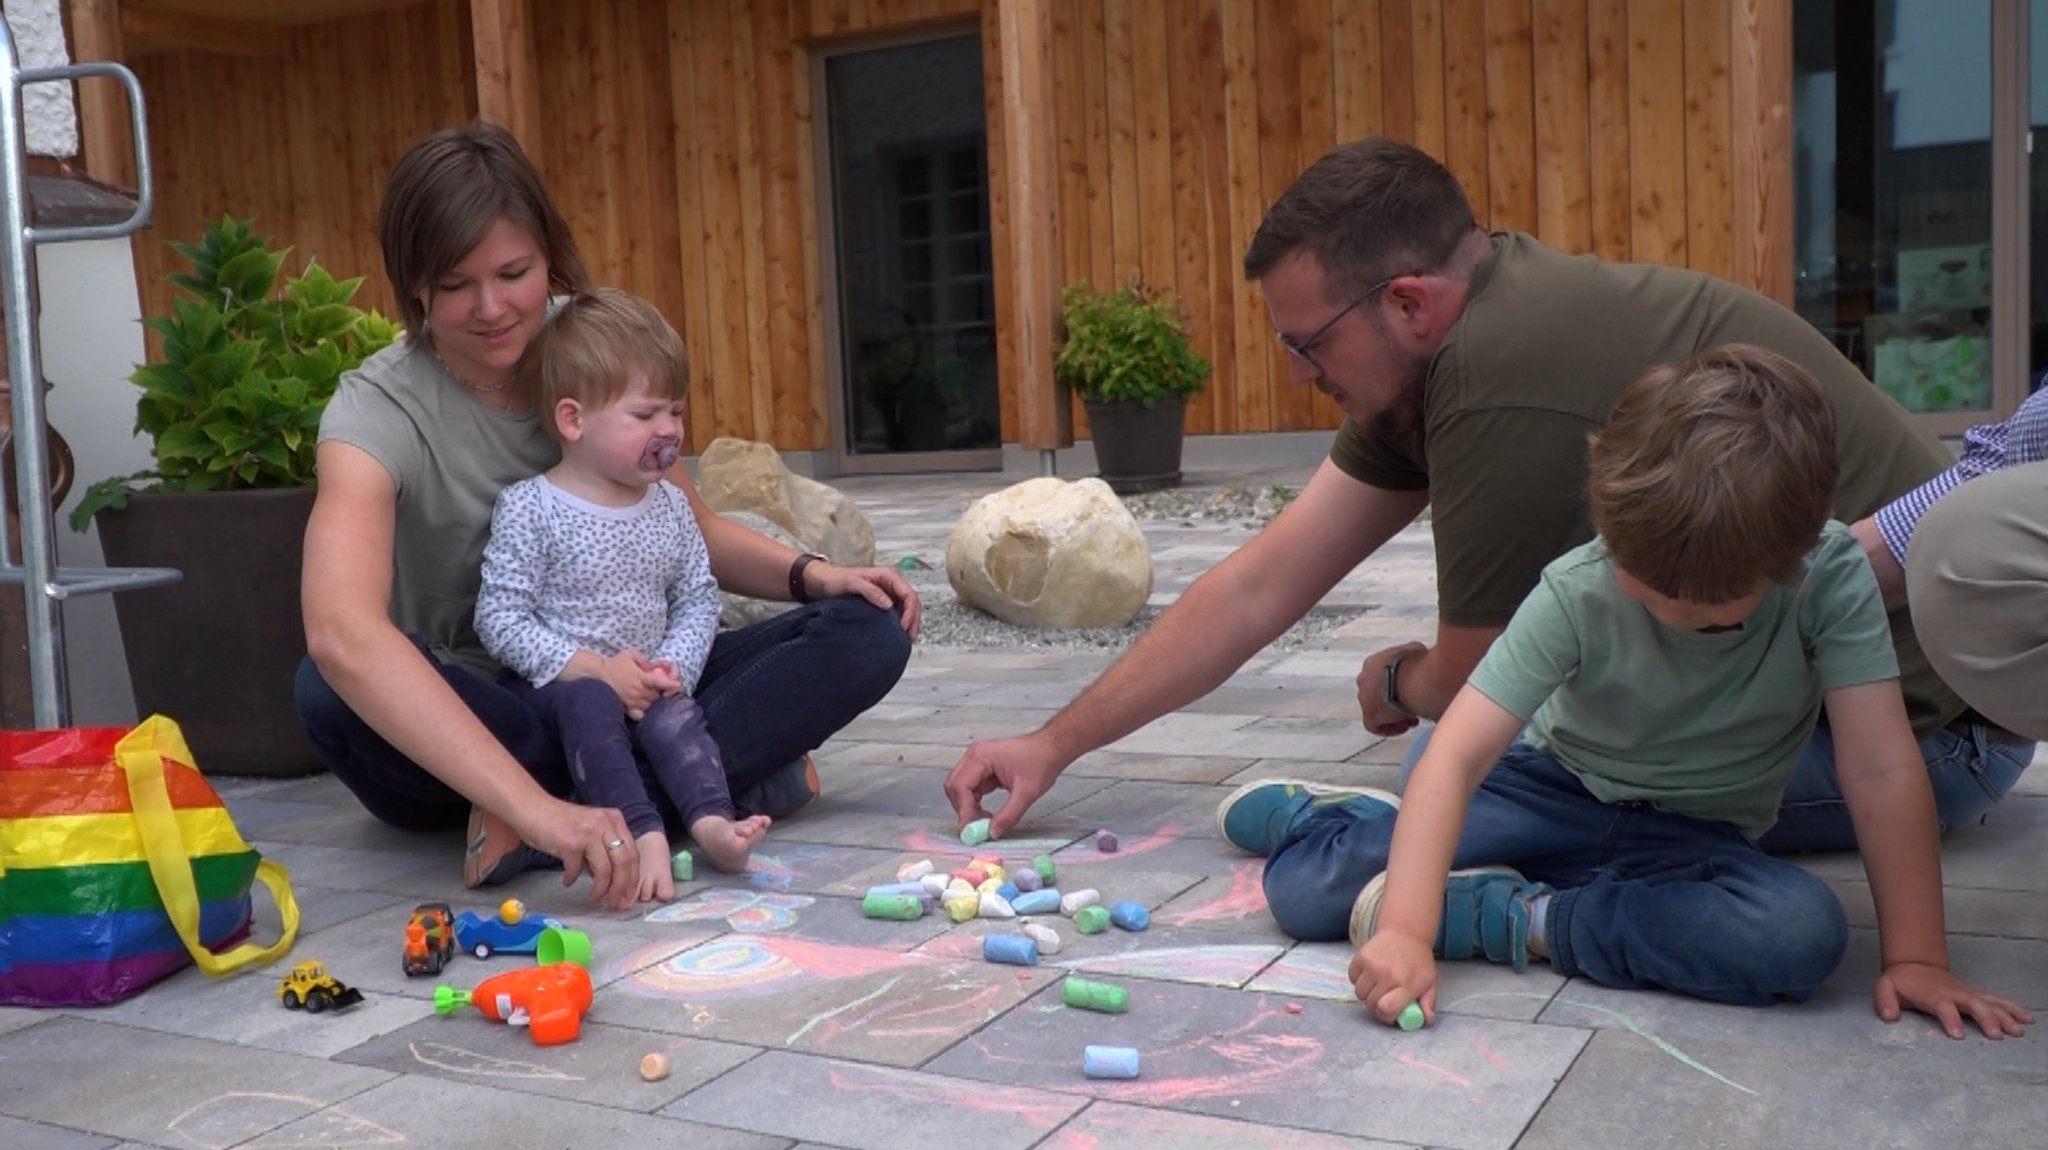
column 218, row 650
column 1137, row 448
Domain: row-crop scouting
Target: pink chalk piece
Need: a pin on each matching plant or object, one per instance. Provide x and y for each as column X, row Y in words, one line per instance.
column 1294, row 1008
column 973, row 876
column 1105, row 842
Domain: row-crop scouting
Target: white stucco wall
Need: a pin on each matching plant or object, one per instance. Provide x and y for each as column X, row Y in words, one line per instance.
column 91, row 338
column 38, row 27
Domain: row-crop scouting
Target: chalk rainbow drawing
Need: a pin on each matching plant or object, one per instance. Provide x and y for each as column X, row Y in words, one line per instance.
column 236, row 1117
column 1310, row 970
column 1083, row 853
column 1223, row 964
column 779, row 871
column 1035, row 1108
column 741, row 910
column 1245, row 899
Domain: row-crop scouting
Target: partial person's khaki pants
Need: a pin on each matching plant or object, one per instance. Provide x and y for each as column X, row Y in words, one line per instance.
column 1977, row 583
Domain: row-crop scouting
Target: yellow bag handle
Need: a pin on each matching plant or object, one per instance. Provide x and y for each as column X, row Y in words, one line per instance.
column 141, row 753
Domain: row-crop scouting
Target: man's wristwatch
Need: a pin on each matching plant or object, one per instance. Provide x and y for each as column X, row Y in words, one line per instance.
column 1391, row 693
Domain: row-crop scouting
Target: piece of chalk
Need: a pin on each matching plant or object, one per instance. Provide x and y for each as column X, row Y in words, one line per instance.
column 1294, row 1008
column 961, row 907
column 957, row 886
column 996, row 871
column 1109, row 1062
column 1130, row 915
column 1027, row 880
column 972, row 876
column 1091, row 920
column 1009, row 891
column 1040, row 901
column 682, row 867
column 993, row 905
column 901, row 907
column 1015, row 949
column 909, row 888
column 654, row 1067
column 937, row 884
column 1047, row 938
column 1043, row 865
column 1105, row 842
column 975, row 833
column 1072, row 902
column 1411, row 1017
column 911, row 872
column 1100, row 996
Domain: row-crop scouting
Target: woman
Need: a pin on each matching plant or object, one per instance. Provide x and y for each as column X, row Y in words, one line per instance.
column 396, row 692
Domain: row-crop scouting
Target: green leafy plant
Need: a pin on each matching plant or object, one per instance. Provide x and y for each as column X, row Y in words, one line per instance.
column 247, row 369
column 1128, row 344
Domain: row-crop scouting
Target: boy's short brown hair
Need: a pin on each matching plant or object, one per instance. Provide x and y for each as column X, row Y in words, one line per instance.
column 1714, row 475
column 592, row 342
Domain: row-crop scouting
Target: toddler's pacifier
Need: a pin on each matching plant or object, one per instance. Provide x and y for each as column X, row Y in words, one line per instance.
column 661, row 453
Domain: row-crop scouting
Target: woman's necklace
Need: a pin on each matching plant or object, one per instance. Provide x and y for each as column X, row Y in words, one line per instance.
column 478, row 389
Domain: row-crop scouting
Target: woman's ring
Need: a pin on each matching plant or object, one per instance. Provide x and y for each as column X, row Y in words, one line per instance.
column 614, row 844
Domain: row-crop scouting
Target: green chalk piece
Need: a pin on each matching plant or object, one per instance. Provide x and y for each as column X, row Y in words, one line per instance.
column 1091, row 920
column 1095, row 996
column 1043, row 865
column 908, row 563
column 975, row 833
column 683, row 867
column 1411, row 1016
column 901, row 907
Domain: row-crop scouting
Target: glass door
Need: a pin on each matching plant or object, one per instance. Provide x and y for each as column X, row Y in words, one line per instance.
column 907, row 153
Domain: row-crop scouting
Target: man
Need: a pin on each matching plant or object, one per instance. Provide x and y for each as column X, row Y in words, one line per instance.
column 1471, row 369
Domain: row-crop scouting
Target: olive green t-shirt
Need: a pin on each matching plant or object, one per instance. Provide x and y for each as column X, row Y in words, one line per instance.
column 1707, row 725
column 1546, row 343
column 449, row 456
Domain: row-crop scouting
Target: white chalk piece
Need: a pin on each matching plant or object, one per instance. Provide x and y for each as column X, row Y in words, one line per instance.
column 1047, row 938
column 1071, row 904
column 1109, row 1062
column 993, row 905
column 911, row 872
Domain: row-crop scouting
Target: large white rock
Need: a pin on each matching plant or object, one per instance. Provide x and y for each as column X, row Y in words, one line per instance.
column 1050, row 553
column 740, row 475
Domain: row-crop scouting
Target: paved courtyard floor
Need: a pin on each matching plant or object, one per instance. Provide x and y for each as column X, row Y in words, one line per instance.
column 790, row 1020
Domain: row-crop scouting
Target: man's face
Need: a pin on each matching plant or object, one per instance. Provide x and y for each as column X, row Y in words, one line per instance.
column 1345, row 347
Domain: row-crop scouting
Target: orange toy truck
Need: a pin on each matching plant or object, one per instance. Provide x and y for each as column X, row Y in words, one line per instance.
column 429, row 939
column 548, row 1000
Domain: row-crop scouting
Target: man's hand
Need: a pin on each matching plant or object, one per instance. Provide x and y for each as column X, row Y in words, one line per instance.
column 885, row 587
column 1935, row 992
column 581, row 837
column 1024, row 766
column 1392, row 970
column 1379, row 718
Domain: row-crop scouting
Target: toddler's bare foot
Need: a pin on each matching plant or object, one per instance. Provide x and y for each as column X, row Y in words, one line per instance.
column 657, row 875
column 727, row 844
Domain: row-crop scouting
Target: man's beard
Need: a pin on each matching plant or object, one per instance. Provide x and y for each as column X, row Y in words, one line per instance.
column 1399, row 419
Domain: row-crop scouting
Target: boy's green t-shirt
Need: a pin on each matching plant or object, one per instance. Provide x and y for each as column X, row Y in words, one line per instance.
column 1706, row 725
column 1546, row 343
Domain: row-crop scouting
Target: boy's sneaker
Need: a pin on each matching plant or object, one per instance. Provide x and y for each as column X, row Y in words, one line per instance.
column 1486, row 914
column 1254, row 816
column 783, row 793
column 493, row 853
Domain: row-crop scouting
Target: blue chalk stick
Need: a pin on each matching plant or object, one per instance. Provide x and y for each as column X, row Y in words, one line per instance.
column 1009, row 891
column 1039, row 901
column 1130, row 915
column 909, row 888
column 1109, row 1062
column 1014, row 949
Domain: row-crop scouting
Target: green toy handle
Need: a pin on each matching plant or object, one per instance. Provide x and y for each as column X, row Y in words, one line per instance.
column 448, row 1000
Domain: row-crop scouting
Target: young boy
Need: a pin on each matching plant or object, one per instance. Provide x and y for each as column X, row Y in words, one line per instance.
column 1668, row 674
column 597, row 588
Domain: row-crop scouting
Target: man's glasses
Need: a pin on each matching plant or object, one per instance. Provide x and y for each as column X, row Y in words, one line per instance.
column 1300, row 348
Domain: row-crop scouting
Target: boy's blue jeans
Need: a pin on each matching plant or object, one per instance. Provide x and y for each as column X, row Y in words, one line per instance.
column 1645, row 899
column 772, row 693
column 1968, row 767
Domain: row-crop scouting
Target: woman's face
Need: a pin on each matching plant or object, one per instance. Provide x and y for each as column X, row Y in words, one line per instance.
column 483, row 312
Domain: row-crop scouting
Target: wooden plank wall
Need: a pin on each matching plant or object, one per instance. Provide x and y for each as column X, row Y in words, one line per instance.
column 677, row 135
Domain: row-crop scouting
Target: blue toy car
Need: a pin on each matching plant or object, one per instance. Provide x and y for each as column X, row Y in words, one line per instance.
column 510, row 931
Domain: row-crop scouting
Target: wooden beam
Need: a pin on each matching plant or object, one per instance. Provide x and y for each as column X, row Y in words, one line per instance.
column 107, row 143
column 1760, row 82
column 1031, row 175
column 145, row 30
column 507, row 93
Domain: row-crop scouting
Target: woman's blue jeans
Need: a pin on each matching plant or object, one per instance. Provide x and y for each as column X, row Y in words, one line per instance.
column 1644, row 898
column 771, row 692
column 1970, row 766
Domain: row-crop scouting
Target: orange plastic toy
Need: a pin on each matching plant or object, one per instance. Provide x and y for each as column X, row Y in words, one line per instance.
column 548, row 1000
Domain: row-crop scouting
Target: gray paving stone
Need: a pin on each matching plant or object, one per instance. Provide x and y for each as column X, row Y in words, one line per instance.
column 1725, row 1093
column 1137, row 810
column 602, row 1067
column 459, row 1116
column 163, row 1088
column 839, row 756
column 1113, row 1124
column 16, row 1134
column 323, row 906
column 14, row 1018
column 1231, row 897
column 1156, row 768
column 875, row 1107
column 243, row 1008
column 1152, row 866
column 1468, row 1083
column 2011, row 967
column 1475, row 989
